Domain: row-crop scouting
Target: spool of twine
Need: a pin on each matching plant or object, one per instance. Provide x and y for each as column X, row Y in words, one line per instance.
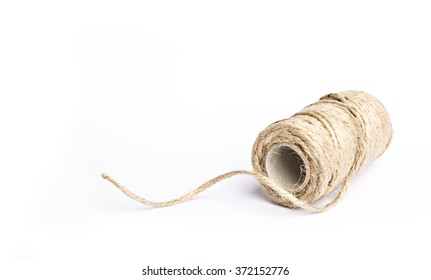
column 304, row 158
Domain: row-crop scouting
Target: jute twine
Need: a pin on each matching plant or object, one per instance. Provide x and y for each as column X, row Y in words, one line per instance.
column 304, row 158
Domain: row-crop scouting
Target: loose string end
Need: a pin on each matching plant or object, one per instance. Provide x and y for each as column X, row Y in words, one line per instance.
column 129, row 193
column 178, row 200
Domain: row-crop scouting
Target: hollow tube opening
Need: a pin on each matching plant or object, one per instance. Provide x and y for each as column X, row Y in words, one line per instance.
column 284, row 167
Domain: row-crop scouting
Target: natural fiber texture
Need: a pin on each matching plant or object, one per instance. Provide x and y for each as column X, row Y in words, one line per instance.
column 302, row 159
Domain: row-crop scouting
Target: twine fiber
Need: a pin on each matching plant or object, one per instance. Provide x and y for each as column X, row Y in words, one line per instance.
column 312, row 154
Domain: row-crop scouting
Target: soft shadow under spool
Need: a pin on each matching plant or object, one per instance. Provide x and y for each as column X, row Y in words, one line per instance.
column 302, row 159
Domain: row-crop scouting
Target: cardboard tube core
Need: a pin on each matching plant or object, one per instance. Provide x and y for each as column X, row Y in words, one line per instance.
column 283, row 166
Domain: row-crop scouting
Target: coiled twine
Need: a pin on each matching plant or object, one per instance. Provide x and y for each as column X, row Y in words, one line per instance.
column 304, row 158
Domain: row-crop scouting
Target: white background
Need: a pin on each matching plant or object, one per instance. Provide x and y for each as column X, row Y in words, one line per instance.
column 164, row 95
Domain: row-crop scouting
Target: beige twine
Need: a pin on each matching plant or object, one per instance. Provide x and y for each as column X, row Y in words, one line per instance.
column 304, row 158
